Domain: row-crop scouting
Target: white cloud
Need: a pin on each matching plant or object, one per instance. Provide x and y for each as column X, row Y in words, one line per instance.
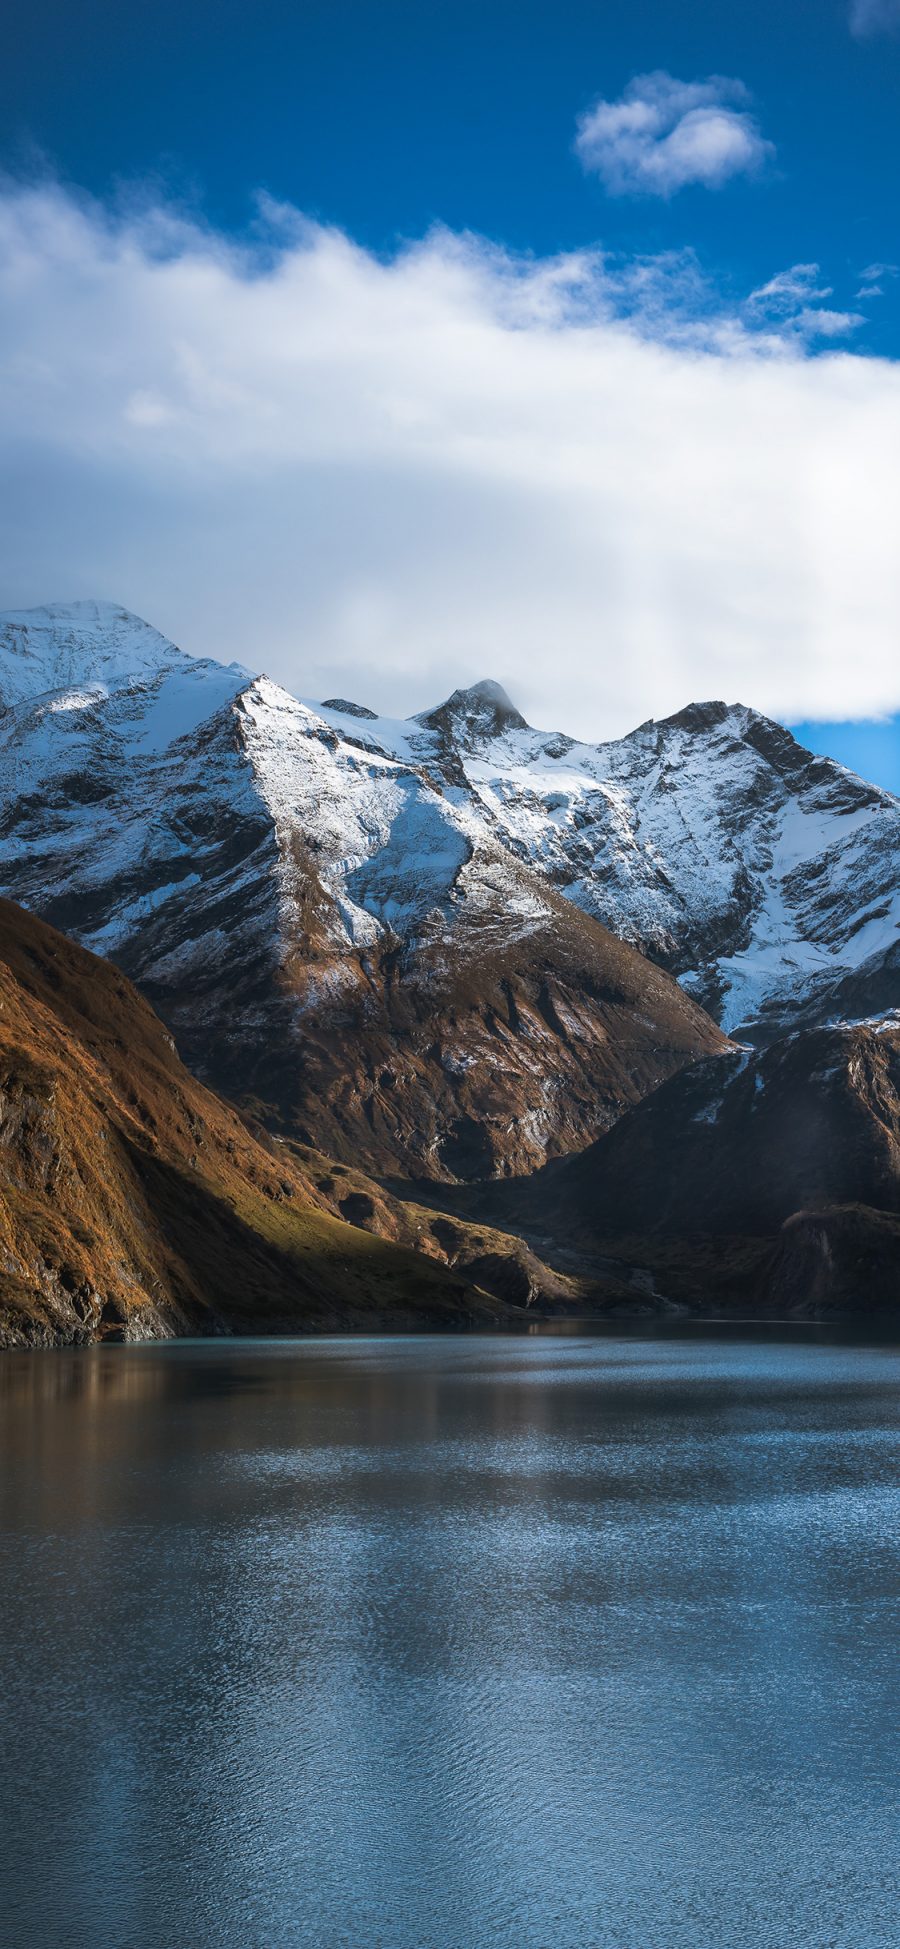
column 874, row 17
column 383, row 478
column 786, row 289
column 663, row 134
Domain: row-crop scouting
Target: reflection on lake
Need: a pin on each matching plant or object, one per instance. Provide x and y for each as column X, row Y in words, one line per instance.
column 483, row 1643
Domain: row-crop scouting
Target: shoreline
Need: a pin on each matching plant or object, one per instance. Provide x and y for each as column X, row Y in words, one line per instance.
column 844, row 1327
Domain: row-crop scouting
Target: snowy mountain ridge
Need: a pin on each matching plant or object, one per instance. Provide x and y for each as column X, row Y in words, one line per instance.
column 328, row 919
column 765, row 878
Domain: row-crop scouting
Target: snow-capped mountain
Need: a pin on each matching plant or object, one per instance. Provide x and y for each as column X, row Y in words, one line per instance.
column 69, row 657
column 766, row 878
column 327, row 912
column 281, row 876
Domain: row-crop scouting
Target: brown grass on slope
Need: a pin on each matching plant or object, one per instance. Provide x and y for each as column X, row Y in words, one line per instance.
column 134, row 1202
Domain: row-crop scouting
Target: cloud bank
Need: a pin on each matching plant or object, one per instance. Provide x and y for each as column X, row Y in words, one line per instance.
column 377, row 478
column 663, row 134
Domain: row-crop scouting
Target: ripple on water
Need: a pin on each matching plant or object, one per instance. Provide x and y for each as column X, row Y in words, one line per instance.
column 441, row 1644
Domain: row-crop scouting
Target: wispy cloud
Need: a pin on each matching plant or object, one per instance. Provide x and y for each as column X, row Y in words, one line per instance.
column 873, row 279
column 663, row 134
column 869, row 17
column 794, row 301
column 587, row 476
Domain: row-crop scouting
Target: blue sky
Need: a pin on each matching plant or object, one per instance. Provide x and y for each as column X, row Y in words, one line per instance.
column 387, row 116
column 383, row 120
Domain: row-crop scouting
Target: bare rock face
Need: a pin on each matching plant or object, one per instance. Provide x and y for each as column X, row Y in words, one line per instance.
column 335, row 930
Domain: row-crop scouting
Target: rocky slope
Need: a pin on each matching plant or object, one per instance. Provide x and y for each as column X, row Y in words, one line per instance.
column 133, row 1203
column 321, row 905
column 772, row 1176
column 136, row 1204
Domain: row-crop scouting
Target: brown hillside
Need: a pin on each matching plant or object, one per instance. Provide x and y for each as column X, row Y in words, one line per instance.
column 467, row 1059
column 134, row 1203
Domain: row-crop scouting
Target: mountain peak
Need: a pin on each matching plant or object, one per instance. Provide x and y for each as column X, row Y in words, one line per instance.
column 483, row 708
column 488, row 691
column 63, row 643
column 772, row 741
column 698, row 717
column 92, row 619
column 66, row 656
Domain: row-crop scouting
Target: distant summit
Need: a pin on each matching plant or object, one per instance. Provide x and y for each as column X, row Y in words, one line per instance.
column 63, row 648
column 81, row 643
column 484, row 710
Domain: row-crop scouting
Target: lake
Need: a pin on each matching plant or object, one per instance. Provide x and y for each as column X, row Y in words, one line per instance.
column 551, row 1642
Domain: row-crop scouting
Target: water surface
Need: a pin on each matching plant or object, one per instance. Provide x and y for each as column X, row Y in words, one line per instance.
column 478, row 1643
